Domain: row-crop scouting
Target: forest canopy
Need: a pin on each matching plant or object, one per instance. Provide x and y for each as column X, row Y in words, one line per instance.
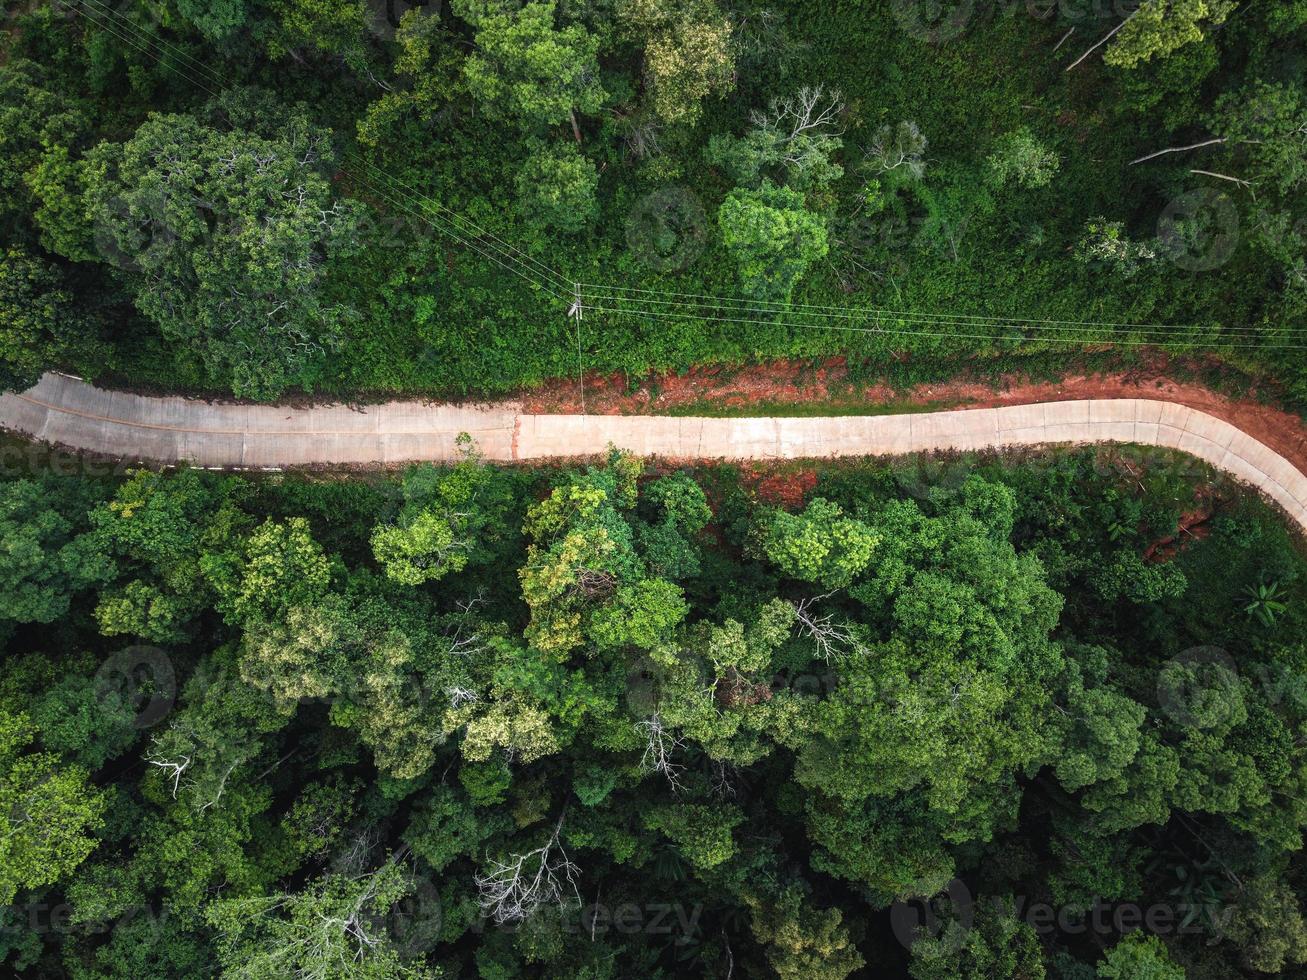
column 268, row 196
column 1036, row 716
column 937, row 719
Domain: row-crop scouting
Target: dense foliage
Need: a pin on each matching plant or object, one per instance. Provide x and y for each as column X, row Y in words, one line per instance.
column 258, row 196
column 942, row 719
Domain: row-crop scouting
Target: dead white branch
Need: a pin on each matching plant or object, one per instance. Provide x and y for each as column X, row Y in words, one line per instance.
column 1234, row 180
column 514, row 889
column 1110, row 35
column 661, row 744
column 459, row 696
column 789, row 117
column 173, row 768
column 723, row 785
column 1179, row 149
column 902, row 145
column 826, row 634
column 222, row 788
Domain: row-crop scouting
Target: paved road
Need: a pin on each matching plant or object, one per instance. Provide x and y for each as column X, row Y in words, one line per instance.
column 71, row 413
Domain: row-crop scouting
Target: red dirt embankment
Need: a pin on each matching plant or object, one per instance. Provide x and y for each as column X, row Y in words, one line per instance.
column 778, row 384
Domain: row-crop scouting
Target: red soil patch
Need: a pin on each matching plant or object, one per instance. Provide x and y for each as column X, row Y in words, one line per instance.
column 780, row 383
column 785, row 488
column 1193, row 527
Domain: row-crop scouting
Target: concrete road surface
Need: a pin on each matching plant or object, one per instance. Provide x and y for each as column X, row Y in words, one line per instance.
column 71, row 413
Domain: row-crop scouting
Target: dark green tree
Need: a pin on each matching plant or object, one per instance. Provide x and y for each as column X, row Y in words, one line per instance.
column 226, row 230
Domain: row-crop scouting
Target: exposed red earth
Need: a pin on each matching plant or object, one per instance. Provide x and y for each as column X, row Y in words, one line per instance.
column 778, row 384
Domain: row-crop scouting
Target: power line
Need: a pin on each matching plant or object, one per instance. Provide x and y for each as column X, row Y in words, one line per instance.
column 773, row 306
column 466, row 232
column 863, row 313
column 541, row 269
column 135, row 37
column 918, row 333
column 392, row 198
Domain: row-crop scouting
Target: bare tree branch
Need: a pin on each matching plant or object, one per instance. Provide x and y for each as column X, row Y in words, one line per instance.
column 661, row 745
column 810, row 108
column 514, row 889
column 1179, row 149
column 1110, row 35
column 829, row 636
column 1235, row 180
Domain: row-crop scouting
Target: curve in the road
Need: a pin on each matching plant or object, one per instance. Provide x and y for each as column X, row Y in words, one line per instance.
column 68, row 412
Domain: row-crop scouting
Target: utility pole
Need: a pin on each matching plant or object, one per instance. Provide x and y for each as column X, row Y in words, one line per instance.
column 577, row 312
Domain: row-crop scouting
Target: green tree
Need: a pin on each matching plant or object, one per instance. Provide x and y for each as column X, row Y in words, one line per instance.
column 688, row 54
column 1125, row 575
column 41, row 326
column 56, row 183
column 226, row 233
column 215, row 19
column 428, row 67
column 337, row 29
column 301, row 654
column 156, row 526
column 1021, row 157
column 639, row 615
column 582, row 552
column 1139, row 957
column 320, row 816
column 425, row 549
column 713, row 685
column 1105, row 245
column 772, row 238
column 525, row 69
column 791, row 143
column 48, row 812
column 1264, row 124
column 36, row 119
column 895, row 847
column 446, row 827
column 201, row 761
column 335, row 928
column 144, row 610
column 1268, row 925
column 556, row 187
column 673, row 512
column 996, row 944
column 701, row 832
column 1140, row 794
column 1159, row 27
column 802, row 942
column 1101, row 726
column 1094, row 869
column 278, row 566
column 949, row 695
column 819, row 545
column 449, row 521
column 71, row 711
column 43, row 562
column 142, row 944
column 1263, row 128
column 387, row 661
